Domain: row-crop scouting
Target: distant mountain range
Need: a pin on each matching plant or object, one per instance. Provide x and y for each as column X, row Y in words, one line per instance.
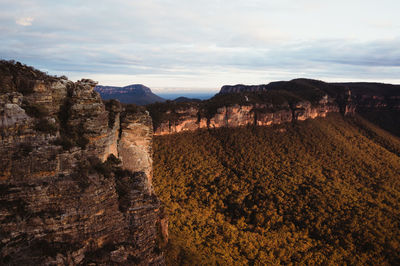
column 135, row 93
column 186, row 99
column 312, row 85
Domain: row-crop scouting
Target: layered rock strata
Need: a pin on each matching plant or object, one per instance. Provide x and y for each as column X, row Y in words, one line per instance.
column 279, row 102
column 134, row 146
column 249, row 114
column 66, row 198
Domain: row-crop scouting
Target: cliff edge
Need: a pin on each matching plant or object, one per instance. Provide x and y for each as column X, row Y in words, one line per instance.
column 275, row 103
column 260, row 105
column 75, row 175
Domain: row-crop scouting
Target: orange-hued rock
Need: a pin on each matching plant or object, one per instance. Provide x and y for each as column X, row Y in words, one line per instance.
column 273, row 118
column 187, row 121
column 276, row 103
column 250, row 114
column 304, row 110
column 232, row 116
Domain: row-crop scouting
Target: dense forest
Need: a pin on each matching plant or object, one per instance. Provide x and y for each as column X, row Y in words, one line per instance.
column 322, row 191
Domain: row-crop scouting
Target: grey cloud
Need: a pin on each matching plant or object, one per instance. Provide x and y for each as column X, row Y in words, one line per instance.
column 181, row 38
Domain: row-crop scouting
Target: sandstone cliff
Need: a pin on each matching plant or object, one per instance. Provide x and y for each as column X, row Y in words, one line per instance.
column 241, row 115
column 66, row 198
column 246, row 112
column 274, row 103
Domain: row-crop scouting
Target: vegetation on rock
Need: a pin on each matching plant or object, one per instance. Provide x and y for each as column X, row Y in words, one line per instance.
column 65, row 198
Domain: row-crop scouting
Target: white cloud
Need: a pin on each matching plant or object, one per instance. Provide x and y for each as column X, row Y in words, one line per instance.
column 208, row 43
column 25, row 21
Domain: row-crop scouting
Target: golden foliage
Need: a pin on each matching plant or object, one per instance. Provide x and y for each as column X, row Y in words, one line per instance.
column 324, row 191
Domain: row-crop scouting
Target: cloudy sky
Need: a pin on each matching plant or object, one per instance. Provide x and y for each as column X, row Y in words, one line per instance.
column 203, row 44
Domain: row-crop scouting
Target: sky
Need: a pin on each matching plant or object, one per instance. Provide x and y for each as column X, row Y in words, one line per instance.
column 199, row 46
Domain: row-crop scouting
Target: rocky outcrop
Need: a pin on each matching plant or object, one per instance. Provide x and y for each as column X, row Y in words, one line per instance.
column 12, row 112
column 66, row 198
column 276, row 103
column 246, row 114
column 232, row 116
column 134, row 146
column 305, row 110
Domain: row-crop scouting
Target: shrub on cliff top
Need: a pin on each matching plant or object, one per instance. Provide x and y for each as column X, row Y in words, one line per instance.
column 133, row 108
column 23, row 78
column 166, row 111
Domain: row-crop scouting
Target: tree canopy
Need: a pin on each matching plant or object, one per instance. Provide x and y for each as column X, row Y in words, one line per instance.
column 322, row 191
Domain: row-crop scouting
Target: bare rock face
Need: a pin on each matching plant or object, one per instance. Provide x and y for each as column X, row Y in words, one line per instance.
column 276, row 103
column 49, row 94
column 249, row 114
column 267, row 118
column 304, row 110
column 232, row 116
column 187, row 119
column 66, row 198
column 110, row 143
column 88, row 116
column 134, row 146
column 12, row 114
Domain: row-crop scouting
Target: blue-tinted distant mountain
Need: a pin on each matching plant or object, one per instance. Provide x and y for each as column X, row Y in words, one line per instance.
column 186, row 94
column 136, row 93
column 186, row 99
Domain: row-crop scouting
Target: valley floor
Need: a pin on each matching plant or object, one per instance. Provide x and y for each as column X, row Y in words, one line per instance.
column 323, row 191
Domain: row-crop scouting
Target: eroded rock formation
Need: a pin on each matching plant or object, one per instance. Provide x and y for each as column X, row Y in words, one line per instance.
column 276, row 103
column 134, row 146
column 66, row 198
column 247, row 114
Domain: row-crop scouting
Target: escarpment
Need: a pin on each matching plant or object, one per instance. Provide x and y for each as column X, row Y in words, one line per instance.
column 75, row 175
column 241, row 115
column 262, row 108
column 274, row 103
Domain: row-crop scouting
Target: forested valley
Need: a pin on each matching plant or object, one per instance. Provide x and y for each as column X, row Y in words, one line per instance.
column 322, row 191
